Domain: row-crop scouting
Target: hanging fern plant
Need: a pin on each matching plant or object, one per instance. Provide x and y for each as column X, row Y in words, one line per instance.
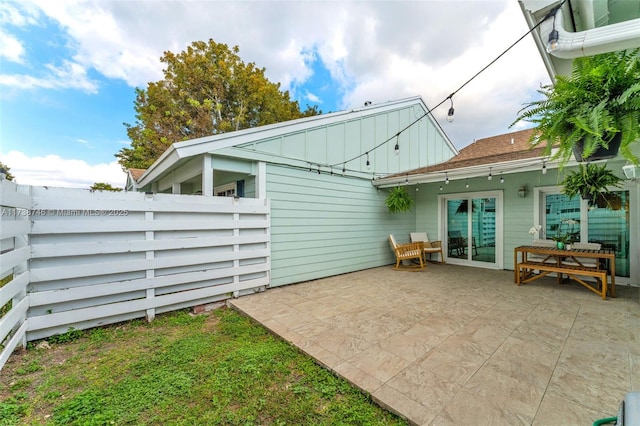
column 399, row 200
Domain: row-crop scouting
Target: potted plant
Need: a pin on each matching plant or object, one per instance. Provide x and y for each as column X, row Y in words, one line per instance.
column 592, row 113
column 399, row 200
column 592, row 182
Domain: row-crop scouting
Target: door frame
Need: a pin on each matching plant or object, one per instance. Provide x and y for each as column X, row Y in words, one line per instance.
column 442, row 225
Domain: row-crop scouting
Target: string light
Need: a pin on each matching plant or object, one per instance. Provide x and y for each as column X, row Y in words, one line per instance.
column 440, row 187
column 489, row 177
column 544, row 167
column 368, row 162
column 396, row 149
column 501, row 178
column 406, row 179
column 451, row 110
column 446, row 178
column 467, row 185
column 450, row 113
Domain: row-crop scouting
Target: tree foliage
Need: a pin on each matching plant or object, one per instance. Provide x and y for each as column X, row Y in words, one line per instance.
column 206, row 90
column 7, row 173
column 102, row 186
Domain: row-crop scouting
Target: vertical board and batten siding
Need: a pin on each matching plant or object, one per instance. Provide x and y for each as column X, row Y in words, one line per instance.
column 15, row 225
column 421, row 144
column 105, row 257
column 325, row 225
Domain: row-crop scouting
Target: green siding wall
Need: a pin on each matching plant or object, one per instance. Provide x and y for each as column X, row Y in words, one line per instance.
column 518, row 212
column 323, row 225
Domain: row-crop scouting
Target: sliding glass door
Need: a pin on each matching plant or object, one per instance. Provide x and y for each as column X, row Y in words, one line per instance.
column 471, row 221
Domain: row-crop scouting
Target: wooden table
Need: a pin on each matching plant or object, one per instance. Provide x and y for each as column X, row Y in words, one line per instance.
column 523, row 269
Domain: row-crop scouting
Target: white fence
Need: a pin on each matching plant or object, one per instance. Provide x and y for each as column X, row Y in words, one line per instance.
column 104, row 257
column 14, row 257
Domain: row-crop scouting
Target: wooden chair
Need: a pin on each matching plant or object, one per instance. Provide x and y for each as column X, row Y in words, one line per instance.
column 407, row 252
column 430, row 247
column 456, row 243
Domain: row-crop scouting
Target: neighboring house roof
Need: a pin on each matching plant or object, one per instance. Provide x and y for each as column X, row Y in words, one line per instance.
column 506, row 153
column 132, row 178
column 136, row 173
column 178, row 152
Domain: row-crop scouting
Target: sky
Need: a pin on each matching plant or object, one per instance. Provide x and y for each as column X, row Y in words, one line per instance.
column 69, row 68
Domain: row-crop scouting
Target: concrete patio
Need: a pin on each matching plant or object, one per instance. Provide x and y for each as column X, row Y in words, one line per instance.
column 453, row 345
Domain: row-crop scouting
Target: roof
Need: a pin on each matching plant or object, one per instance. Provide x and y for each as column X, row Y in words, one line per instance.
column 505, row 153
column 491, row 150
column 179, row 151
column 136, row 173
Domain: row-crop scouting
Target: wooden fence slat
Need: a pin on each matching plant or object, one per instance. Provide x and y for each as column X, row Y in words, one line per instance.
column 110, row 226
column 132, row 246
column 14, row 228
column 94, row 269
column 12, row 196
column 43, row 298
column 13, row 287
column 138, row 305
column 9, row 321
column 13, row 258
column 13, row 343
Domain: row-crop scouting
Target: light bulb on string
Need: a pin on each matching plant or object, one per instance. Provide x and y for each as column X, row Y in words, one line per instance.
column 368, row 162
column 396, row 149
column 544, row 167
column 451, row 110
column 446, row 178
column 490, row 176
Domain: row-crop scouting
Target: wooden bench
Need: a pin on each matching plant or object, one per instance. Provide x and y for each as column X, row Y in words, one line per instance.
column 525, row 274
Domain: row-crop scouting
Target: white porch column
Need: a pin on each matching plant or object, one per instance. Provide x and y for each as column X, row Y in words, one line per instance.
column 207, row 175
column 261, row 181
column 175, row 188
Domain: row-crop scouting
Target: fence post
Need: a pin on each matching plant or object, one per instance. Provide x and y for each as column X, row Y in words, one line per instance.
column 149, row 255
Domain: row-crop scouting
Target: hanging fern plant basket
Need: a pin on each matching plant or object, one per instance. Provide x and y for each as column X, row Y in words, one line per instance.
column 399, row 200
column 601, row 152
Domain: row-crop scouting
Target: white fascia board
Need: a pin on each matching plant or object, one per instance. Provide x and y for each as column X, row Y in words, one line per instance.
column 157, row 169
column 504, row 168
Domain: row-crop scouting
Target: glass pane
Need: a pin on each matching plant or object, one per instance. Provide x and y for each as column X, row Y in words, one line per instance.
column 482, row 245
column 457, row 225
column 610, row 228
column 560, row 214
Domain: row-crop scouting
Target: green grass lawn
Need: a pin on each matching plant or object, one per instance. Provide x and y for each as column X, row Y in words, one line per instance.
column 219, row 368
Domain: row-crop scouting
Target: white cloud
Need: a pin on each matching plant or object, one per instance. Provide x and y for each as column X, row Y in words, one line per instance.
column 10, row 48
column 375, row 50
column 52, row 170
column 69, row 76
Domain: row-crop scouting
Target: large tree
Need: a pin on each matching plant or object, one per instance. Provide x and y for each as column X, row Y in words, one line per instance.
column 206, row 90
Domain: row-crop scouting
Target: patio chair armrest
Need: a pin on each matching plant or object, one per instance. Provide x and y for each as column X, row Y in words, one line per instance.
column 433, row 244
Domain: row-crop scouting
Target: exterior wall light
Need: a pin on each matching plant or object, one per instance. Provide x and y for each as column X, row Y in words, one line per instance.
column 522, row 191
